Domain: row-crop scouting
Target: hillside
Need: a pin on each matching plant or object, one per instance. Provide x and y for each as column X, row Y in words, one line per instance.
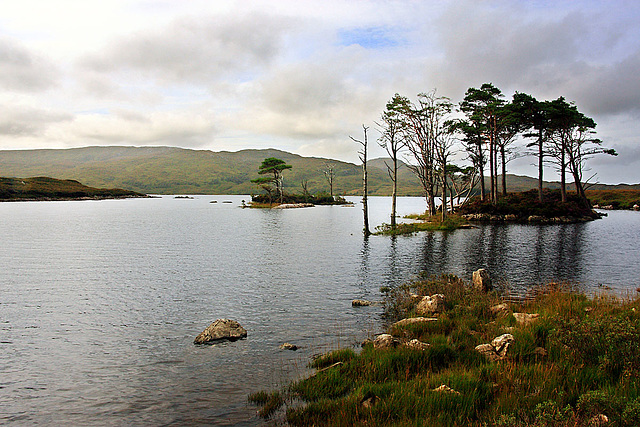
column 42, row 188
column 170, row 170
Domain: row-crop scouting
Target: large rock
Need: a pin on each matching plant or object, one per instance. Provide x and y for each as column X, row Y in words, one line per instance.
column 481, row 280
column 221, row 329
column 414, row 320
column 385, row 341
column 434, row 304
column 524, row 319
column 497, row 349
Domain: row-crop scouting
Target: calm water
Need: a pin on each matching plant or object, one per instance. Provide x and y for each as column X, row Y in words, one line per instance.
column 100, row 301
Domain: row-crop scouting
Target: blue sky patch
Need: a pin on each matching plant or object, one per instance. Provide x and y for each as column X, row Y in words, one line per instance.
column 369, row 38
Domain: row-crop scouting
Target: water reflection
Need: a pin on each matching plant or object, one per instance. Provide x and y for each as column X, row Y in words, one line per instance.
column 519, row 255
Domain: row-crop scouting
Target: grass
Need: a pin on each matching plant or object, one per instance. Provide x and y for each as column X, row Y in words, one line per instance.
column 44, row 188
column 617, row 199
column 526, row 204
column 426, row 223
column 578, row 360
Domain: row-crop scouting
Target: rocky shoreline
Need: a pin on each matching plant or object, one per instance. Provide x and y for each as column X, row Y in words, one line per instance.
column 531, row 219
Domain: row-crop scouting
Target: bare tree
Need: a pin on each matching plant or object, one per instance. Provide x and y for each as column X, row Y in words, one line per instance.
column 363, row 158
column 328, row 172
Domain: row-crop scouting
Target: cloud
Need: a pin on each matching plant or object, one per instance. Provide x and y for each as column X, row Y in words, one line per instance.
column 177, row 128
column 196, row 49
column 24, row 71
column 20, row 121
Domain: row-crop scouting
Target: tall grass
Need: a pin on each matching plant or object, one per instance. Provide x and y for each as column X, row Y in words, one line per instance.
column 579, row 359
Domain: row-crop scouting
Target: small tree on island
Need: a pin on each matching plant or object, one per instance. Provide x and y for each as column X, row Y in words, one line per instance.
column 275, row 167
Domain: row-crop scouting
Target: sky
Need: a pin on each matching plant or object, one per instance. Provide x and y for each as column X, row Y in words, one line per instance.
column 303, row 76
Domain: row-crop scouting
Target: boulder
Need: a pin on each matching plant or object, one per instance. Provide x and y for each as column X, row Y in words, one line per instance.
column 488, row 351
column 360, row 303
column 524, row 319
column 446, row 389
column 497, row 349
column 481, row 280
column 289, row 346
column 434, row 304
column 385, row 341
column 598, row 420
column 416, row 345
column 221, row 329
column 499, row 309
column 501, row 344
column 414, row 320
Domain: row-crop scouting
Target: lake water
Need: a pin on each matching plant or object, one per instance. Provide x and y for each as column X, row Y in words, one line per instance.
column 100, row 301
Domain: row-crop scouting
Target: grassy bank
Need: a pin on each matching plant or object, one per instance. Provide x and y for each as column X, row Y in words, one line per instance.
column 423, row 223
column 44, row 188
column 573, row 361
column 521, row 206
column 616, row 199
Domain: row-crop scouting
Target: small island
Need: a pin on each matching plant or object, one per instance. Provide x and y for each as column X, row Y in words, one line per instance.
column 49, row 189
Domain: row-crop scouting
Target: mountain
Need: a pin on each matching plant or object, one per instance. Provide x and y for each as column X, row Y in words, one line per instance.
column 171, row 170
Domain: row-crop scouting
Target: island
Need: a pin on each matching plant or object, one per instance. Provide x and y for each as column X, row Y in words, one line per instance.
column 48, row 189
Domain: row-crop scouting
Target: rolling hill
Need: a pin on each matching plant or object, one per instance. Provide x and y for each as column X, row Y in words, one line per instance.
column 171, row 170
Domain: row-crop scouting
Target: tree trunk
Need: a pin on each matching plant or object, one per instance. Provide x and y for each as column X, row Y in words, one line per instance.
column 504, row 172
column 483, row 194
column 540, row 166
column 563, row 178
column 492, row 187
column 444, row 191
column 394, row 193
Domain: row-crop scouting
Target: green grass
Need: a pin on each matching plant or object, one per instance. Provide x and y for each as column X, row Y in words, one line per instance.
column 580, row 358
column 426, row 223
column 618, row 199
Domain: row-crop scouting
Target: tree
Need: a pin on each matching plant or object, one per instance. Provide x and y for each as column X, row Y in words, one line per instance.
column 533, row 116
column 328, row 172
column 275, row 167
column 483, row 109
column 363, row 158
column 391, row 139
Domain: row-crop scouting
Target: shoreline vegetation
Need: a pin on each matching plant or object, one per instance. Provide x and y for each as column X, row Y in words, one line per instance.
column 457, row 354
column 51, row 189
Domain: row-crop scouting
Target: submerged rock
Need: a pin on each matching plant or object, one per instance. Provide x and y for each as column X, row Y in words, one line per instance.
column 289, row 346
column 361, row 303
column 221, row 329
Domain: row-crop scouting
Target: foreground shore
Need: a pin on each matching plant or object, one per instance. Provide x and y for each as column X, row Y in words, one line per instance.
column 457, row 354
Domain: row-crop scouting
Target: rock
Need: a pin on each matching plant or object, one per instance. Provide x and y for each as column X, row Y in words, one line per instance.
column 498, row 348
column 293, row 205
column 636, row 207
column 289, row 346
column 481, row 280
column 499, row 309
column 221, row 329
column 366, row 342
column 385, row 341
column 524, row 319
column 539, row 351
column 433, row 304
column 416, row 345
column 501, row 344
column 369, row 402
column 414, row 320
column 360, row 303
column 598, row 421
column 446, row 389
column 488, row 351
